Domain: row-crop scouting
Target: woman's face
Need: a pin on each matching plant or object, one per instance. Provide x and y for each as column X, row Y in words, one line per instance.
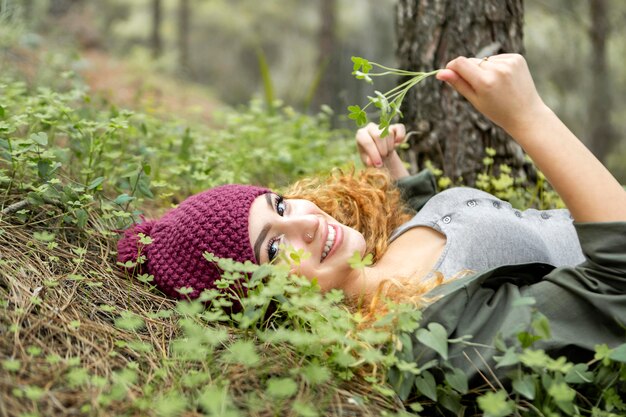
column 276, row 223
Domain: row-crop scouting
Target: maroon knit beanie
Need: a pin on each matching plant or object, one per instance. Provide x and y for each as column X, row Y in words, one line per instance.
column 214, row 221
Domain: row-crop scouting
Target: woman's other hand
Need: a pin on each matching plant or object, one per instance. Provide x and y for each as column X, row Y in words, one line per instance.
column 381, row 152
column 500, row 87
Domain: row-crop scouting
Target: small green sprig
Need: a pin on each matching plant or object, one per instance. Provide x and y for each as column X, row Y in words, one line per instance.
column 388, row 103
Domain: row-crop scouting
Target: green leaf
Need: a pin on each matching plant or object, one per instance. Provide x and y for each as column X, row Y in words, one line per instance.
column 11, row 365
column 304, row 409
column 527, row 339
column 435, row 338
column 361, row 64
column 189, row 308
column 215, row 401
column 509, row 358
column 316, row 374
column 451, row 401
column 579, row 374
column 426, row 385
column 563, row 396
column 457, row 380
column 95, row 183
column 170, row 405
column 242, row 352
column 81, row 217
column 143, row 186
column 603, row 353
column 44, row 236
column 358, row 115
column 356, row 262
column 541, row 326
column 525, row 385
column 534, row 358
column 619, row 353
column 281, row 387
column 40, row 138
column 495, row 404
column 123, row 199
column 129, row 321
column 77, row 377
column 33, row 392
column 44, row 168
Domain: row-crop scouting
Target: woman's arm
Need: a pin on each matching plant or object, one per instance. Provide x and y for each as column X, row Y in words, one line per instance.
column 503, row 90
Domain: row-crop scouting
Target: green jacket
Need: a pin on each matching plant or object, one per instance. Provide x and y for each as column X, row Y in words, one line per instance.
column 585, row 304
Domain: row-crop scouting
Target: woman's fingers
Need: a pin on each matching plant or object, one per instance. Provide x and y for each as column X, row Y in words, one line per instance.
column 373, row 149
column 398, row 132
column 368, row 151
column 455, row 80
column 500, row 87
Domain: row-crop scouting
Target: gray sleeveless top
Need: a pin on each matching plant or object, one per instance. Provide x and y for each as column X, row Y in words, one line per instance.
column 484, row 232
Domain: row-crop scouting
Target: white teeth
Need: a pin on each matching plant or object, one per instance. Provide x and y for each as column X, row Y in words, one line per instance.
column 330, row 240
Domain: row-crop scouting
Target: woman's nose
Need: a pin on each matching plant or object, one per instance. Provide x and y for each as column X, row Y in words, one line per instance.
column 304, row 226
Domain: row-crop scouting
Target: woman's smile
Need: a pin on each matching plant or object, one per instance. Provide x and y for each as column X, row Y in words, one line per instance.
column 334, row 236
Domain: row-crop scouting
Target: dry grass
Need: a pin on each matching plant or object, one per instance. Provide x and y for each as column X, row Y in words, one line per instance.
column 58, row 313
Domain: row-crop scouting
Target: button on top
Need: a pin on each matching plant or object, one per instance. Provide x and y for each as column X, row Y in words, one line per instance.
column 545, row 216
column 471, row 203
column 446, row 219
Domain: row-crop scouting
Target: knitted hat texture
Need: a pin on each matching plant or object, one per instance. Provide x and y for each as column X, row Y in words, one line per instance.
column 214, row 221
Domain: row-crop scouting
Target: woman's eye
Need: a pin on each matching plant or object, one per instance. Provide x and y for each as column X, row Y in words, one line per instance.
column 281, row 206
column 272, row 249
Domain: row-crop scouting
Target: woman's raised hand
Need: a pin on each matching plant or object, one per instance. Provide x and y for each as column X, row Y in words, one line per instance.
column 500, row 87
column 381, row 152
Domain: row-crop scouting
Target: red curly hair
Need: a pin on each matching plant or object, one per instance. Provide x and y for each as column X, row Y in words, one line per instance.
column 367, row 201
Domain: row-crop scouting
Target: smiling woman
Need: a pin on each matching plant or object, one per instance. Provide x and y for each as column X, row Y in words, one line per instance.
column 571, row 262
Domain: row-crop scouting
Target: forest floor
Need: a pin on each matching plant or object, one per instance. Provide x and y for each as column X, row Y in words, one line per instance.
column 127, row 84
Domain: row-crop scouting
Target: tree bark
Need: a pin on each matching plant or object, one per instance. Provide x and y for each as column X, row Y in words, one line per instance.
column 183, row 34
column 156, row 42
column 602, row 134
column 448, row 130
column 327, row 42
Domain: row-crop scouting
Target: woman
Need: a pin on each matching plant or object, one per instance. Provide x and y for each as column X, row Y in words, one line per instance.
column 452, row 233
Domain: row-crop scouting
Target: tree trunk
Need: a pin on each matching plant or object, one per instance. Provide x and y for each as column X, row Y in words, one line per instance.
column 58, row 8
column 27, row 10
column 448, row 131
column 156, row 43
column 327, row 42
column 183, row 34
column 602, row 135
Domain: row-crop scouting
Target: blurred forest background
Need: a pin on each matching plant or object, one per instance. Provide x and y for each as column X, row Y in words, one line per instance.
column 189, row 57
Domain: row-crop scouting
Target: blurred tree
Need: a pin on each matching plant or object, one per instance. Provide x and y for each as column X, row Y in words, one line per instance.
column 156, row 42
column 28, row 10
column 602, row 135
column 448, row 131
column 184, row 13
column 58, row 8
column 327, row 40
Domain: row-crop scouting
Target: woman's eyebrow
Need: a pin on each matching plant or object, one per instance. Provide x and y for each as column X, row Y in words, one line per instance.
column 264, row 231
